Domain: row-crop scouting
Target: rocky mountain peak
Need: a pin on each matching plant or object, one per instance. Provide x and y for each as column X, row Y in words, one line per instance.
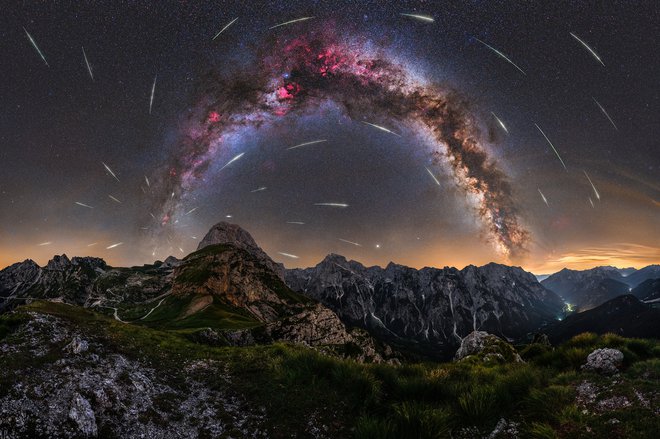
column 333, row 258
column 59, row 262
column 89, row 261
column 232, row 234
column 235, row 236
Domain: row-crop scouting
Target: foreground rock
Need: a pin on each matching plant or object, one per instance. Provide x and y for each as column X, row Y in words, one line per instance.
column 487, row 348
column 64, row 392
column 607, row 361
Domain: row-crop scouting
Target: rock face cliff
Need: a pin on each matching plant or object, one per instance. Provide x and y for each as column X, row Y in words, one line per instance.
column 429, row 310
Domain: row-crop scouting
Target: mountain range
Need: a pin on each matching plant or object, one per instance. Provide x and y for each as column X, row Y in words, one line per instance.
column 231, row 287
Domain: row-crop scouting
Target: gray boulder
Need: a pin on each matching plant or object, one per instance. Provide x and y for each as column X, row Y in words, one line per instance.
column 606, row 361
column 484, row 347
column 82, row 414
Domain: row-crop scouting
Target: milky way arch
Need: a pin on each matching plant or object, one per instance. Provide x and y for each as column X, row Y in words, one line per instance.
column 294, row 76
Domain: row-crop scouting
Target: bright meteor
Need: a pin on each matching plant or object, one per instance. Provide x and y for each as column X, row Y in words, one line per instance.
column 425, row 18
column 291, row 22
column 350, row 242
column 153, row 90
column 288, row 255
column 602, row 109
column 107, row 168
column 224, row 28
column 586, row 46
column 381, row 128
column 331, row 204
column 543, row 197
column 114, row 245
column 432, row 176
column 89, row 68
column 552, row 146
column 592, row 185
column 34, row 43
column 501, row 55
column 232, row 160
column 500, row 122
column 84, row 205
column 308, row 143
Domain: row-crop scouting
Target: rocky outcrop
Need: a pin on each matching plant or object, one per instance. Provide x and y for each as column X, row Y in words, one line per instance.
column 484, row 347
column 607, row 361
column 82, row 414
column 429, row 310
column 98, row 392
column 236, row 277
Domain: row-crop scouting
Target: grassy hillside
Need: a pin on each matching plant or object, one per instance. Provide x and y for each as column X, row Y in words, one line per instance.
column 302, row 391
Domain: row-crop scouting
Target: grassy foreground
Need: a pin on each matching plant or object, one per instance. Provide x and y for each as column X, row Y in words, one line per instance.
column 540, row 398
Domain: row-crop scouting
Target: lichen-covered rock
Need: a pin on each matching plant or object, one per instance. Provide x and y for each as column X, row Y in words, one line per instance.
column 484, row 347
column 82, row 414
column 606, row 361
column 77, row 345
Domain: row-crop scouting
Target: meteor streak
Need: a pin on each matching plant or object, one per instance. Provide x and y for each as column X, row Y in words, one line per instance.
column 308, row 143
column 114, row 199
column 147, row 180
column 89, row 68
column 232, row 160
column 84, row 205
column 592, row 203
column 262, row 188
column 34, row 43
column 224, row 28
column 107, row 168
column 92, row 244
column 419, row 17
column 552, row 146
column 192, row 210
column 350, row 242
column 432, row 176
column 288, row 255
column 381, row 128
column 500, row 122
column 544, row 199
column 586, row 46
column 44, row 243
column 114, row 245
column 153, row 90
column 295, row 222
column 291, row 22
column 605, row 113
column 331, row 204
column 501, row 55
column 592, row 185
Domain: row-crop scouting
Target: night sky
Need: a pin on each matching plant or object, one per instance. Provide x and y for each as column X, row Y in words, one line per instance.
column 400, row 114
